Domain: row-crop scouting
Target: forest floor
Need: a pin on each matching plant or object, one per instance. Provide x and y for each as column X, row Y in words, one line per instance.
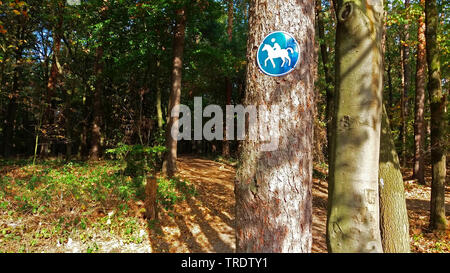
column 89, row 207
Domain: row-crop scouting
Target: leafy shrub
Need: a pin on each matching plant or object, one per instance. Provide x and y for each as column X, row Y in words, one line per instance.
column 140, row 161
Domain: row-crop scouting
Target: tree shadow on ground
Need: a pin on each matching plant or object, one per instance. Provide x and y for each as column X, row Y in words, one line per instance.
column 204, row 222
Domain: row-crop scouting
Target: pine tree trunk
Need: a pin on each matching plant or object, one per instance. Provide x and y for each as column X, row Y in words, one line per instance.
column 438, row 102
column 353, row 208
column 419, row 127
column 319, row 142
column 393, row 214
column 170, row 160
column 273, row 188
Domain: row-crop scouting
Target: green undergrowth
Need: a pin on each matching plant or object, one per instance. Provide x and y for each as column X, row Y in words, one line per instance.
column 43, row 205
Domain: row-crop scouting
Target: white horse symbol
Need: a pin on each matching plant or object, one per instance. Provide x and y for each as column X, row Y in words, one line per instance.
column 276, row 52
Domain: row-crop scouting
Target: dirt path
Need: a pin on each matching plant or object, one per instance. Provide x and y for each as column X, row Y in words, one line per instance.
column 205, row 223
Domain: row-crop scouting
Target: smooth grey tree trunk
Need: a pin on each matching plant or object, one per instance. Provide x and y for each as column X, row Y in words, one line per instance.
column 353, row 208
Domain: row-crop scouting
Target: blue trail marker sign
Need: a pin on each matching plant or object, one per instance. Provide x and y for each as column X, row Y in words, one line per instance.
column 278, row 54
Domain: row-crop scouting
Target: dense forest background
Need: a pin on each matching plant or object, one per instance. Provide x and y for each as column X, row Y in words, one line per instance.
column 83, row 82
column 65, row 68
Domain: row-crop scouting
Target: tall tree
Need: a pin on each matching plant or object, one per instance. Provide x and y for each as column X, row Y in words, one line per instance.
column 228, row 82
column 273, row 188
column 393, row 214
column 353, row 203
column 95, row 150
column 406, row 79
column 438, row 102
column 419, row 128
column 54, row 75
column 97, row 111
column 170, row 163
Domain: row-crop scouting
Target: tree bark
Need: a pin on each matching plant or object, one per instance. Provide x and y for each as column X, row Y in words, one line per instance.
column 151, row 187
column 419, row 129
column 273, row 188
column 353, row 209
column 170, row 160
column 393, row 214
column 438, row 102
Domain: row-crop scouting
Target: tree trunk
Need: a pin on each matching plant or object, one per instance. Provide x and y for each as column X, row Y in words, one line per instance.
column 438, row 102
column 403, row 115
column 228, row 82
column 273, row 188
column 68, row 125
column 319, row 141
column 353, row 211
column 95, row 150
column 393, row 214
column 53, row 79
column 170, row 160
column 159, row 112
column 419, row 132
column 406, row 80
column 151, row 188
